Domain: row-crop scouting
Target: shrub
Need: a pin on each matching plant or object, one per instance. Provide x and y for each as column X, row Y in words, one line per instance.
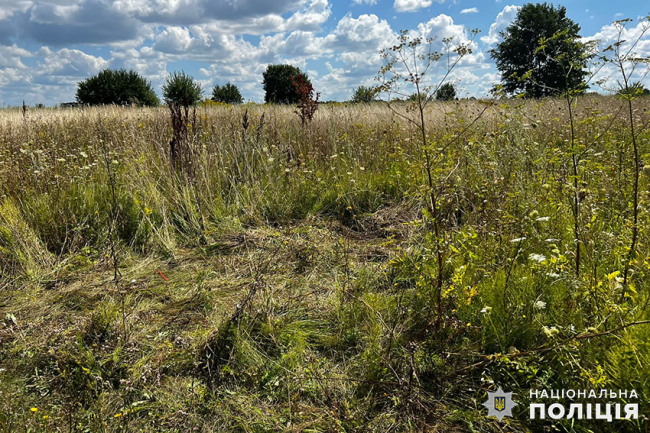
column 119, row 87
column 307, row 104
column 278, row 85
column 635, row 89
column 363, row 94
column 228, row 93
column 446, row 92
column 182, row 89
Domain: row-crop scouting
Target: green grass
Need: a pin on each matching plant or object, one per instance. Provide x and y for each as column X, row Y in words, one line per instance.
column 302, row 269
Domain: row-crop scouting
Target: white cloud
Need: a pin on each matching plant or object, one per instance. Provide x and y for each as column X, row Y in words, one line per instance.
column 368, row 2
column 503, row 20
column 69, row 63
column 412, row 5
column 469, row 11
column 11, row 57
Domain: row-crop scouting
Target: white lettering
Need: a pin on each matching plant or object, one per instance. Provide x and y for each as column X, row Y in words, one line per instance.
column 556, row 411
column 542, row 410
column 574, row 407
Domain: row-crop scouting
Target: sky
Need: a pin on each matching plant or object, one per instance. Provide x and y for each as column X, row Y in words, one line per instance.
column 47, row 47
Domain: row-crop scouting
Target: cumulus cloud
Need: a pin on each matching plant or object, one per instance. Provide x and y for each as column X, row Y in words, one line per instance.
column 412, row 5
column 90, row 22
column 469, row 11
column 187, row 12
column 503, row 20
column 69, row 63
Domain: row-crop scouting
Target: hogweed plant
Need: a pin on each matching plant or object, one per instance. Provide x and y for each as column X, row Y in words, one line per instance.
column 569, row 90
column 629, row 65
column 406, row 74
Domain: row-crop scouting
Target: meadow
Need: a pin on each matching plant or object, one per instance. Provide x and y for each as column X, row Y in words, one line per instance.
column 293, row 278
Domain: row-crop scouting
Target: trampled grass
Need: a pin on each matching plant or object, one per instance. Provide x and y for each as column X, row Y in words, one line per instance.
column 301, row 268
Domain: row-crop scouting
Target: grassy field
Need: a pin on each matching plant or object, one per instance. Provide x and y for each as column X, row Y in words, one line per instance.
column 287, row 279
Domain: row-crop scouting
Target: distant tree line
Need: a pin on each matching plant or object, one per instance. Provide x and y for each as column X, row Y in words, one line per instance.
column 122, row 87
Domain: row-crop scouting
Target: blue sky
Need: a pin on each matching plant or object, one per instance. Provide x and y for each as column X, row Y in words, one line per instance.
column 47, row 47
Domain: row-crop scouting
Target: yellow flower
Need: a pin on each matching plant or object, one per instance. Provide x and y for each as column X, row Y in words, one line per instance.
column 34, row 409
column 117, row 415
column 45, row 417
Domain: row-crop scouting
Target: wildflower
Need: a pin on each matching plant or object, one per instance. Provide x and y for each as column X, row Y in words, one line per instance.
column 539, row 258
column 540, row 305
column 117, row 415
column 550, row 332
column 45, row 417
column 486, row 310
column 542, row 219
column 514, row 241
column 34, row 409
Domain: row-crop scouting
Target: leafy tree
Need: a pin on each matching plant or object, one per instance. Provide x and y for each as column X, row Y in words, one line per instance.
column 363, row 94
column 120, row 87
column 446, row 92
column 525, row 68
column 228, row 93
column 182, row 89
column 278, row 84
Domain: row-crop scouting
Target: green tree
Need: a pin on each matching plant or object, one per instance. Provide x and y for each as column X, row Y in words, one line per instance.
column 363, row 94
column 278, row 86
column 182, row 89
column 228, row 93
column 525, row 68
column 120, row 87
column 446, row 92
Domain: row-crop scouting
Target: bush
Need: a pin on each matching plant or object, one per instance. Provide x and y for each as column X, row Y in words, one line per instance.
column 119, row 87
column 228, row 93
column 278, row 84
column 446, row 92
column 182, row 89
column 635, row 89
column 363, row 94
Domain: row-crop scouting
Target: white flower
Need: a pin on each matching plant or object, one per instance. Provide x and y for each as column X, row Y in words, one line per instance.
column 539, row 258
column 486, row 310
column 541, row 219
column 540, row 305
column 550, row 332
column 514, row 241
